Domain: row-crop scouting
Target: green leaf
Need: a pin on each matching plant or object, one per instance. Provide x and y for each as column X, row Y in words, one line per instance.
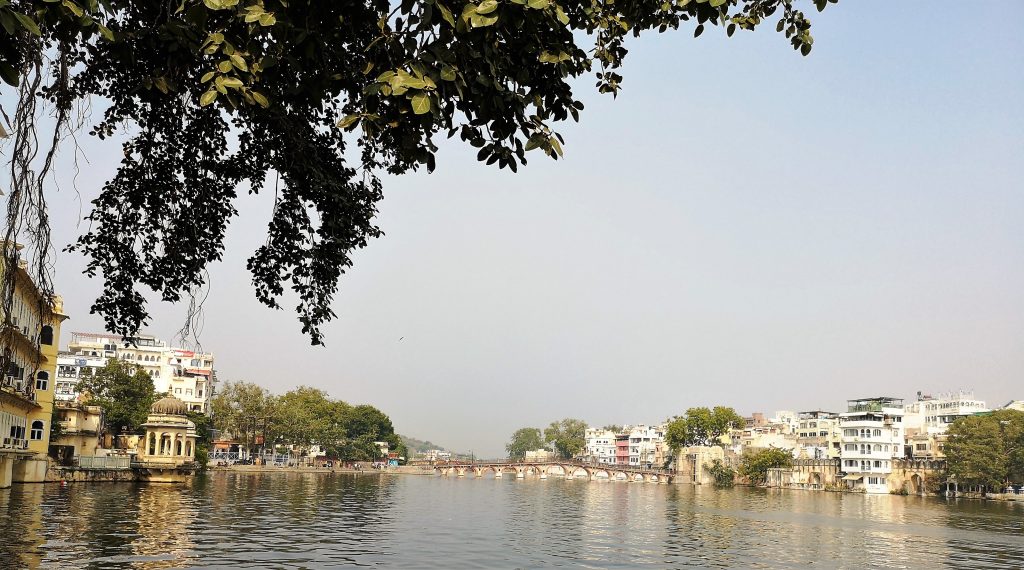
column 479, row 21
column 232, row 82
column 74, row 8
column 448, row 73
column 445, row 13
column 421, row 103
column 538, row 4
column 27, row 23
column 487, row 6
column 716, row 3
column 208, row 76
column 225, row 66
column 348, row 121
column 562, row 17
column 261, row 99
column 105, row 32
column 239, row 62
column 207, row 98
column 267, row 19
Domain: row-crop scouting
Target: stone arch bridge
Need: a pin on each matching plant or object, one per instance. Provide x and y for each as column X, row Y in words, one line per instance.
column 562, row 469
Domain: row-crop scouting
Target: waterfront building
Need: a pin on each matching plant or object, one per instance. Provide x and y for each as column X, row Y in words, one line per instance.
column 872, row 436
column 81, row 429
column 184, row 374
column 646, row 445
column 30, row 337
column 599, row 446
column 1014, row 405
column 818, row 434
column 622, row 449
column 539, row 455
column 927, row 419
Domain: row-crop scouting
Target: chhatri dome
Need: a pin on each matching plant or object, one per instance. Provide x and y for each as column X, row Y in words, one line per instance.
column 169, row 406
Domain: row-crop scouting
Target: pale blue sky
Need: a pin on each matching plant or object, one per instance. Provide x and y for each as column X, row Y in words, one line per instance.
column 742, row 226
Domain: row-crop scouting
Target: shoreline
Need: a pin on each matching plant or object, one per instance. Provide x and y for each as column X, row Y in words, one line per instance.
column 402, row 470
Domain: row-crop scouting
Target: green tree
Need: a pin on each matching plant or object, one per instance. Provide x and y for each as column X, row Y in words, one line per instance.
column 325, row 97
column 614, row 428
column 701, row 426
column 986, row 451
column 204, row 427
column 56, row 428
column 244, row 410
column 124, row 391
column 754, row 465
column 568, row 437
column 523, row 440
column 723, row 475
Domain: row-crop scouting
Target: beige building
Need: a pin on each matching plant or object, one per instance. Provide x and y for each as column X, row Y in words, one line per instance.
column 28, row 357
column 81, row 429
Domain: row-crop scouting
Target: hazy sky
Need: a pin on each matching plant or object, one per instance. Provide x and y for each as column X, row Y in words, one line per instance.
column 742, row 226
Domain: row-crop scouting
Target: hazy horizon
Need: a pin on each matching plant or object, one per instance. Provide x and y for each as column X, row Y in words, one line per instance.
column 743, row 226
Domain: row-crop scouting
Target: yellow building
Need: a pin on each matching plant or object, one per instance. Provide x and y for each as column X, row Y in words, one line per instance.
column 28, row 359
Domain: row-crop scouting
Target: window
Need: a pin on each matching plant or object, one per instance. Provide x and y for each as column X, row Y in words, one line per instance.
column 46, row 335
column 188, row 391
column 42, row 380
column 177, row 390
column 37, row 430
column 878, row 464
column 878, row 433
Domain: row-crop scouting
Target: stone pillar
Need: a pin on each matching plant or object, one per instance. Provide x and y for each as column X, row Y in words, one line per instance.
column 6, row 471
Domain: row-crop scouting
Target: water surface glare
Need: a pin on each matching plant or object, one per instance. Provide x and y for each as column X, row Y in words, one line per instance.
column 295, row 520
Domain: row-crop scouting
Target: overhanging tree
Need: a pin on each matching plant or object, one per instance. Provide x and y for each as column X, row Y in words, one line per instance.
column 321, row 96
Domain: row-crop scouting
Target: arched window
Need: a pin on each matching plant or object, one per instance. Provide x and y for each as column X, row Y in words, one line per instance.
column 42, row 380
column 878, row 433
column 188, row 449
column 46, row 335
column 37, row 430
column 152, row 443
column 177, row 447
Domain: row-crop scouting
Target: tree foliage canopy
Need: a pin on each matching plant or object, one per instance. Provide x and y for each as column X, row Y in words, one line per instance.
column 568, row 437
column 302, row 418
column 988, row 450
column 317, row 98
column 523, row 440
column 701, row 426
column 754, row 465
column 125, row 392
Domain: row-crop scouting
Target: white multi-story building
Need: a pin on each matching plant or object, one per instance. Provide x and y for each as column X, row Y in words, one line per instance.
column 872, row 437
column 600, row 446
column 646, row 445
column 185, row 374
column 927, row 419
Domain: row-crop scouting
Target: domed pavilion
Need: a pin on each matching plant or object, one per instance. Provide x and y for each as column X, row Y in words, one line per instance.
column 168, row 450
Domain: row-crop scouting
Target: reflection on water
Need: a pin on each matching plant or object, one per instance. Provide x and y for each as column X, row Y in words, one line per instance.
column 291, row 520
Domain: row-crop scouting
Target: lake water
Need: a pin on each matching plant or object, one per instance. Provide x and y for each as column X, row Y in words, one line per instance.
column 333, row 521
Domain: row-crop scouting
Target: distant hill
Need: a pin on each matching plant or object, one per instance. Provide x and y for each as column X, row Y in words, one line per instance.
column 418, row 445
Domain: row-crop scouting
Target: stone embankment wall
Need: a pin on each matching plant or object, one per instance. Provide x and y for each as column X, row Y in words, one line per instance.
column 76, row 475
column 811, row 474
column 909, row 477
